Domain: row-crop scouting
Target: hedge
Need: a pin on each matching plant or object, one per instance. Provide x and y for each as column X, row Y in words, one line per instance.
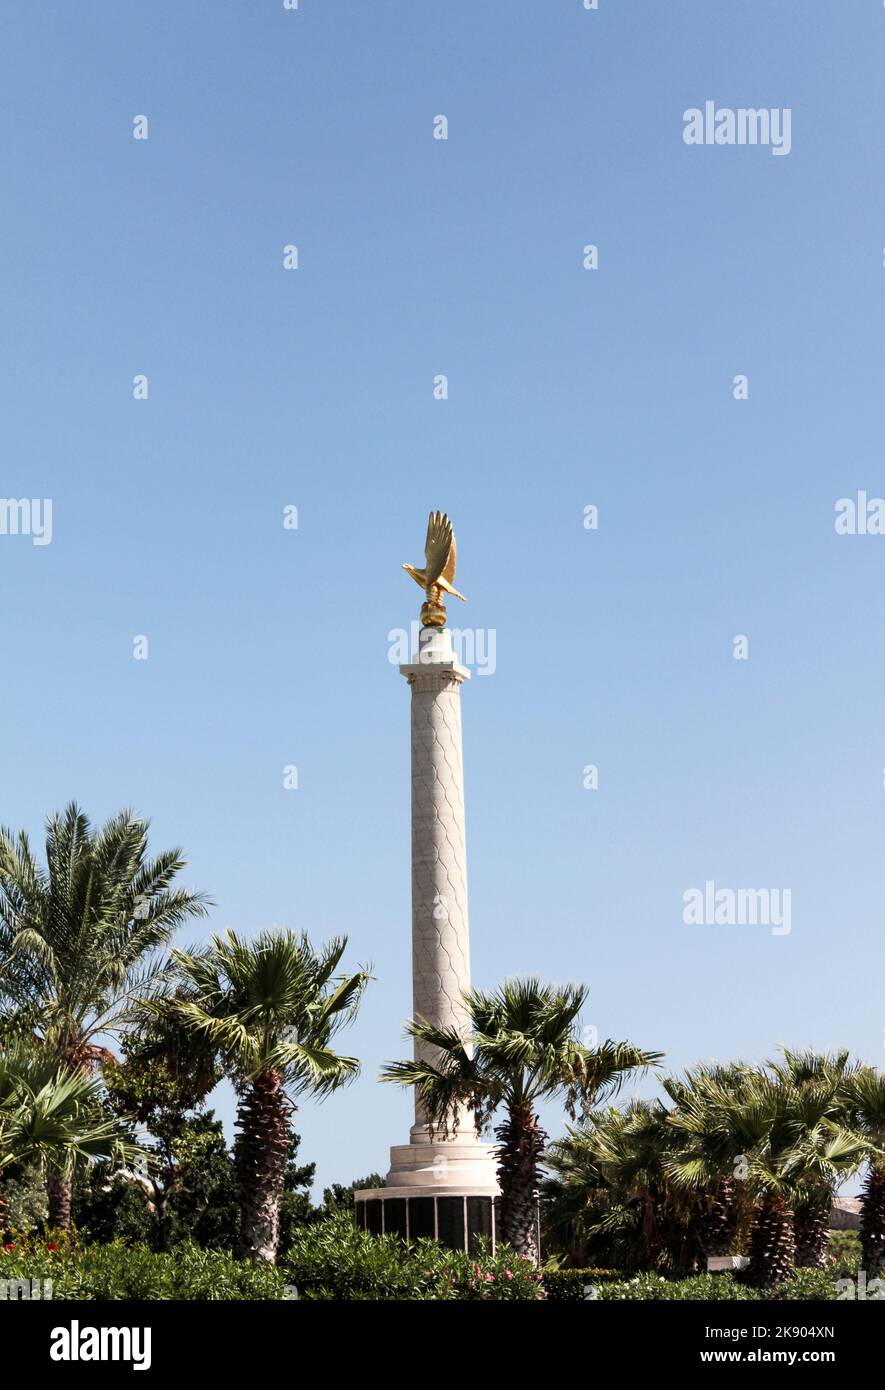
column 329, row 1260
column 335, row 1260
column 117, row 1272
column 572, row 1285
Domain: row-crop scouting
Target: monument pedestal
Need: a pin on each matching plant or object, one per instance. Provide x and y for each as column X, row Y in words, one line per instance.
column 444, row 1188
column 440, row 1187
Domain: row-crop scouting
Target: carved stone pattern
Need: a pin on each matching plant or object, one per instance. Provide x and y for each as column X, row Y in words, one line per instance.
column 440, row 934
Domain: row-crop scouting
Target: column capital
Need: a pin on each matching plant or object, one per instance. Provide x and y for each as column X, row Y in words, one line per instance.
column 422, row 671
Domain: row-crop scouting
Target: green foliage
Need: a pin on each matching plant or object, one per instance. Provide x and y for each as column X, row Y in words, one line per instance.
column 268, row 1008
column 270, row 1004
column 812, row 1285
column 340, row 1198
column 609, row 1201
column 571, row 1285
column 333, row 1259
column 699, row 1287
column 25, row 1192
column 81, row 940
column 107, row 1207
column 845, row 1252
column 330, row 1259
column 50, row 1112
column 657, row 1189
column 164, row 1076
column 161, row 1084
column 202, row 1206
column 525, row 1046
column 807, row 1284
column 787, row 1121
column 121, row 1273
column 203, row 1203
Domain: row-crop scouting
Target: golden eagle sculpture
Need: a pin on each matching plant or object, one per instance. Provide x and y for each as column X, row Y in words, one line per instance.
column 438, row 573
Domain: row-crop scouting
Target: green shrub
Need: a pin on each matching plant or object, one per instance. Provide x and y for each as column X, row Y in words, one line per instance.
column 332, row 1259
column 697, row 1287
column 335, row 1260
column 805, row 1284
column 817, row 1284
column 844, row 1250
column 570, row 1285
column 122, row 1273
column 329, row 1260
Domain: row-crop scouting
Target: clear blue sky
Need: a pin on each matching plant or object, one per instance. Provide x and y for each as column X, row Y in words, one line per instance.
column 567, row 387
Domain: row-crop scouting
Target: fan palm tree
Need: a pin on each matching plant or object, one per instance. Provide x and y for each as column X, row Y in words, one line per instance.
column 825, row 1074
column 866, row 1097
column 269, row 1008
column 704, row 1159
column 50, row 1114
column 611, row 1193
column 573, row 1194
column 785, row 1142
column 523, row 1047
column 81, row 939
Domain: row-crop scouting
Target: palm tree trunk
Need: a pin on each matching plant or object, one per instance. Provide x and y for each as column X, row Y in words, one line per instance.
column 3, row 1206
column 651, row 1245
column 58, row 1192
column 59, row 1185
column 772, row 1242
column 262, row 1151
column 811, row 1225
column 872, row 1222
column 718, row 1221
column 521, row 1144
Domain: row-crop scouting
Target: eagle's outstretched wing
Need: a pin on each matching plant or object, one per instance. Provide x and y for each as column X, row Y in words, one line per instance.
column 449, row 567
column 439, row 549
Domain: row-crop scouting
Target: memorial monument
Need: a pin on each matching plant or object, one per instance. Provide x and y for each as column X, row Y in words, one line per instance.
column 437, row 1186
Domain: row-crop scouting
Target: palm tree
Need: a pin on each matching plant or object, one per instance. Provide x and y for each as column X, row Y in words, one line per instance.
column 866, row 1097
column 824, row 1076
column 573, row 1194
column 785, row 1141
column 524, row 1047
column 81, row 940
column 269, row 1008
column 611, row 1199
column 50, row 1114
column 704, row 1160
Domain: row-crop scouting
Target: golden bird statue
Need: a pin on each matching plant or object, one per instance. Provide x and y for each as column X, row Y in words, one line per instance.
column 440, row 554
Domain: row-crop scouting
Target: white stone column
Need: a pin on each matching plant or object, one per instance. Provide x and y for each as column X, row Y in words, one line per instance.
column 440, row 931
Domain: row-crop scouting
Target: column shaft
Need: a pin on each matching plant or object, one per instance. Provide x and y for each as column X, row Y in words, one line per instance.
column 440, row 933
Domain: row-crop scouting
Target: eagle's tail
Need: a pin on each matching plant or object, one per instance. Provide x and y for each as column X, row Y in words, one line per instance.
column 444, row 584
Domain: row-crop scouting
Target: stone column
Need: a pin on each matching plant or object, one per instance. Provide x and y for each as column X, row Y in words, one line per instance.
column 440, row 932
column 462, row 1168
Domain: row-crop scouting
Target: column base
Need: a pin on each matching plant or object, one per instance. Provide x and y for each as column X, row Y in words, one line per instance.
column 445, row 1189
column 438, row 1164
